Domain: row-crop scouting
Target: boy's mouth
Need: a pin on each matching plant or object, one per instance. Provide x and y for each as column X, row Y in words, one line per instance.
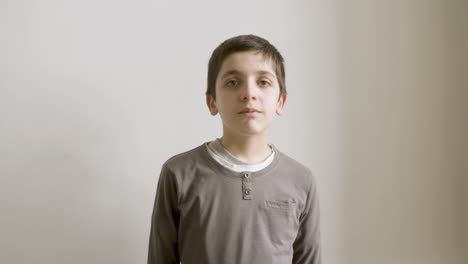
column 250, row 113
column 249, row 110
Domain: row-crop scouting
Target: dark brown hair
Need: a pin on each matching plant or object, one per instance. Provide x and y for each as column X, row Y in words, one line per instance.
column 239, row 44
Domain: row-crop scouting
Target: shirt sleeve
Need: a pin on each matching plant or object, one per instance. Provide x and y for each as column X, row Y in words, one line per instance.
column 307, row 246
column 163, row 240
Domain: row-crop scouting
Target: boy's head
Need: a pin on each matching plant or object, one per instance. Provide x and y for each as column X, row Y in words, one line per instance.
column 246, row 72
column 239, row 44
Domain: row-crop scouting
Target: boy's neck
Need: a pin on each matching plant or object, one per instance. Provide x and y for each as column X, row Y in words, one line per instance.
column 252, row 150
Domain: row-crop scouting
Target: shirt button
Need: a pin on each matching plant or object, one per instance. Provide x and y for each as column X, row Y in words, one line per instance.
column 246, row 175
column 246, row 191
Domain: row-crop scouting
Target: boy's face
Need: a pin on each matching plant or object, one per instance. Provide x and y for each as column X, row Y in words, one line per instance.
column 246, row 79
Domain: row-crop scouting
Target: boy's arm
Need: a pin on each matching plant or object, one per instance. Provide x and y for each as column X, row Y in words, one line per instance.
column 307, row 246
column 163, row 244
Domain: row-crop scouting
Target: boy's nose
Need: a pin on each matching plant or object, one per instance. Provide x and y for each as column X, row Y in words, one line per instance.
column 249, row 91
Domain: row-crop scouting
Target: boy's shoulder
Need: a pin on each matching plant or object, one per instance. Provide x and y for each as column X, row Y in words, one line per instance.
column 295, row 169
column 290, row 162
column 185, row 158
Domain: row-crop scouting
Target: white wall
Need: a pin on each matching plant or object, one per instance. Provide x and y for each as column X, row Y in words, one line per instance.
column 96, row 95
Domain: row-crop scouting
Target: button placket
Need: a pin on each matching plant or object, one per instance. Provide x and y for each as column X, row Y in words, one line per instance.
column 246, row 186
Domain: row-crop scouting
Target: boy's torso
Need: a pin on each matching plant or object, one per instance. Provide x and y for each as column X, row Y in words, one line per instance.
column 238, row 217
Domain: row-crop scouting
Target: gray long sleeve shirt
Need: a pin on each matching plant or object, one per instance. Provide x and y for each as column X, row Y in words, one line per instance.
column 205, row 213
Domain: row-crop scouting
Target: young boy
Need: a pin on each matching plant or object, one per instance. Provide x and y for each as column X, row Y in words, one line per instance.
column 238, row 199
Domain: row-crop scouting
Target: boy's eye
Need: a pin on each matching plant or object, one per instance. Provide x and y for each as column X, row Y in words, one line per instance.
column 265, row 82
column 231, row 83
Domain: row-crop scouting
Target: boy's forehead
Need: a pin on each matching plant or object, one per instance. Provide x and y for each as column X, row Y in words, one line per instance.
column 240, row 63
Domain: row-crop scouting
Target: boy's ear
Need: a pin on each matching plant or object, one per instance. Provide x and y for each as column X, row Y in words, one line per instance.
column 280, row 104
column 210, row 102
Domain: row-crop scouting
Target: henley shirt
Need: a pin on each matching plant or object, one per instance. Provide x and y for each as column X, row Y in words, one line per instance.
column 206, row 213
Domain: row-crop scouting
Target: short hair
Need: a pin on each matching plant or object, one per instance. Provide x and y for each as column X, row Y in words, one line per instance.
column 244, row 43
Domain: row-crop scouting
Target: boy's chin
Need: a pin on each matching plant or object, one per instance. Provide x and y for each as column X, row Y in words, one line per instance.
column 250, row 128
column 253, row 131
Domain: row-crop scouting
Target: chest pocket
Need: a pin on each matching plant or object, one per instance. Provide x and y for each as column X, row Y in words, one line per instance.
column 285, row 205
column 280, row 223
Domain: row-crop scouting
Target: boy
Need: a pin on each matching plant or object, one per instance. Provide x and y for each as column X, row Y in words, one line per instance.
column 238, row 199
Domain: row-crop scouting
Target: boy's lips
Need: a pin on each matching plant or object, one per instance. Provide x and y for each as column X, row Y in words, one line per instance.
column 250, row 113
column 249, row 110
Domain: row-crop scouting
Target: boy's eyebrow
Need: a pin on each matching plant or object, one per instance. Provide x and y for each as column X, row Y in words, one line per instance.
column 236, row 72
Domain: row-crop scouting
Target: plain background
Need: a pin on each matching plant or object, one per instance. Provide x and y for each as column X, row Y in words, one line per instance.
column 96, row 95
